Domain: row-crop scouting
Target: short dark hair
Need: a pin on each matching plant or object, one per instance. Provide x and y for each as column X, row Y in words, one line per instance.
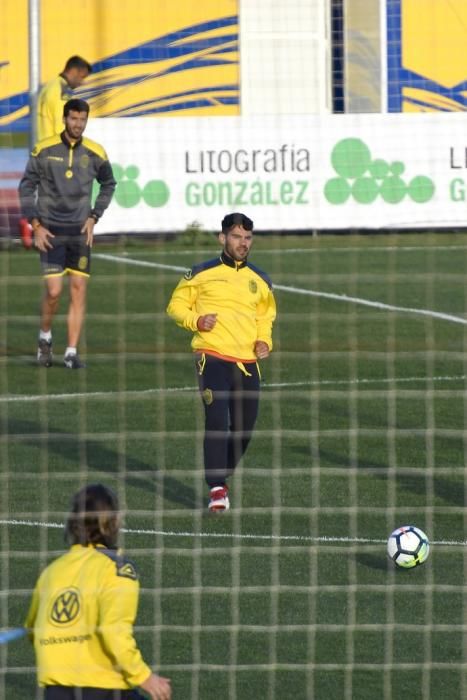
column 75, row 105
column 93, row 517
column 77, row 62
column 236, row 219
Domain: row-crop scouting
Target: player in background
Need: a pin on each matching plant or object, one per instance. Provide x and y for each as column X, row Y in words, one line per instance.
column 51, row 101
column 55, row 194
column 229, row 306
column 83, row 609
column 55, row 93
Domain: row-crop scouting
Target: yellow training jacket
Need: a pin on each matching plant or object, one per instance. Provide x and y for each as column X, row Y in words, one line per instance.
column 241, row 296
column 50, row 105
column 81, row 621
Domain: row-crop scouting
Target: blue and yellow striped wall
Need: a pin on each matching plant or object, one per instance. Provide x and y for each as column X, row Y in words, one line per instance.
column 150, row 57
column 427, row 57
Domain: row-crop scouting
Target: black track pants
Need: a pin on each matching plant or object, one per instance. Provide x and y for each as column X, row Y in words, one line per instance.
column 231, row 396
column 59, row 692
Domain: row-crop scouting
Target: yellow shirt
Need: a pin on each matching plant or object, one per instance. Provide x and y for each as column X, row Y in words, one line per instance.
column 50, row 105
column 81, row 621
column 241, row 296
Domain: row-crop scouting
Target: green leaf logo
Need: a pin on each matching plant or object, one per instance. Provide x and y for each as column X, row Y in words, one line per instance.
column 365, row 179
column 129, row 193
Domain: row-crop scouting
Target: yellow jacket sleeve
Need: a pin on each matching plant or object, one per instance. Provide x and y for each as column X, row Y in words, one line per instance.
column 118, row 607
column 32, row 613
column 182, row 303
column 265, row 315
column 50, row 110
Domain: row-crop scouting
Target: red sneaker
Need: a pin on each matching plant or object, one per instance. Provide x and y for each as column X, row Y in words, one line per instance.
column 219, row 499
column 25, row 231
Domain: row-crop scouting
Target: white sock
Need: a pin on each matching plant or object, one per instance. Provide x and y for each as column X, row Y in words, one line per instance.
column 45, row 335
column 70, row 351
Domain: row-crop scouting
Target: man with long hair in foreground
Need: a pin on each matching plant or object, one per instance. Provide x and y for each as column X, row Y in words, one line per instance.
column 83, row 610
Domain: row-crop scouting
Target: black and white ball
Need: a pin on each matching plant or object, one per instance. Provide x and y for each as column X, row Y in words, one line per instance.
column 408, row 546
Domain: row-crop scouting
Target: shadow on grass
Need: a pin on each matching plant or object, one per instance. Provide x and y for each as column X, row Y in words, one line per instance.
column 449, row 490
column 373, row 561
column 100, row 458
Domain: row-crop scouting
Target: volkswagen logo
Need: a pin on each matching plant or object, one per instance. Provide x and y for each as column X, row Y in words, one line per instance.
column 66, row 607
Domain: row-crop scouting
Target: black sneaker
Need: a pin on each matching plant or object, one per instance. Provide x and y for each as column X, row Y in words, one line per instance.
column 44, row 353
column 73, row 362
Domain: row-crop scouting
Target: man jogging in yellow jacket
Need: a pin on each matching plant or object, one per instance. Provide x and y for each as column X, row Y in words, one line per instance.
column 229, row 305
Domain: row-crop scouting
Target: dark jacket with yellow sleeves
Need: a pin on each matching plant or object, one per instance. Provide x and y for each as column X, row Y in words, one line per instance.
column 57, row 184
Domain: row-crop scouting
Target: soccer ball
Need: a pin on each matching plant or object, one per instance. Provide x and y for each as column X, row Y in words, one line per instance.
column 408, row 546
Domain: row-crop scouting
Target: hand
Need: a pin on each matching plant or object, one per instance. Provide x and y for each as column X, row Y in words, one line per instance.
column 88, row 229
column 261, row 349
column 41, row 238
column 157, row 687
column 207, row 322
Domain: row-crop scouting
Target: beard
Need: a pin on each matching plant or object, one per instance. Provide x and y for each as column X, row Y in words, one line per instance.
column 236, row 255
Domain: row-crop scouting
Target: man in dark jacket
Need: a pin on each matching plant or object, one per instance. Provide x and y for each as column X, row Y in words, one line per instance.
column 55, row 194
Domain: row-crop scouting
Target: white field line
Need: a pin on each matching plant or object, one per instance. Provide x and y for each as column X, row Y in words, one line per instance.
column 318, row 249
column 366, row 249
column 137, row 393
column 375, row 304
column 232, row 535
column 299, row 290
column 138, row 263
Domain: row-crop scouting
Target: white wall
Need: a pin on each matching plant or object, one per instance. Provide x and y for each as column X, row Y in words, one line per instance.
column 289, row 172
column 284, row 57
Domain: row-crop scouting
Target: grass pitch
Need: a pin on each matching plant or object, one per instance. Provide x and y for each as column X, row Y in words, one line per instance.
column 361, row 429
